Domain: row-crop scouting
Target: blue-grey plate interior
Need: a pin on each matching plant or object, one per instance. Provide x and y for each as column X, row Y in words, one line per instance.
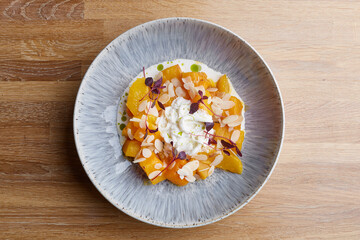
column 98, row 144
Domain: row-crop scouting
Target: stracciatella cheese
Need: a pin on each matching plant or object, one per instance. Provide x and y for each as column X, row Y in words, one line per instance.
column 185, row 130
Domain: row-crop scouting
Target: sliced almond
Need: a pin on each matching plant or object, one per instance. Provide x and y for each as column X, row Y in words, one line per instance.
column 141, row 135
column 184, row 172
column 226, row 97
column 139, row 160
column 230, row 119
column 230, row 129
column 134, row 119
column 202, row 170
column 176, row 82
column 159, row 145
column 171, row 90
column 227, row 113
column 142, row 106
column 153, row 111
column 146, row 153
column 166, row 84
column 227, row 105
column 217, row 100
column 172, row 165
column 192, row 165
column 164, row 98
column 180, row 92
column 217, row 160
column 131, row 136
column 142, row 122
column 220, row 94
column 237, row 122
column 209, row 100
column 212, row 89
column 158, row 166
column 150, row 138
column 187, row 80
column 192, row 92
column 201, row 157
column 154, row 174
column 190, row 178
column 211, row 170
column 235, row 136
column 216, row 109
column 146, row 144
column 188, row 85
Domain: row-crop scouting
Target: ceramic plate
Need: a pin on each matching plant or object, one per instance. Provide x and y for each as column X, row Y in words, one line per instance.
column 121, row 182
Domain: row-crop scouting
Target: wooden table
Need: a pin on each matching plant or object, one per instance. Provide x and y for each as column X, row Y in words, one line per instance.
column 313, row 48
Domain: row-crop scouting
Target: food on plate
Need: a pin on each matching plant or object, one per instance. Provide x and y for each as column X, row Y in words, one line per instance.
column 181, row 121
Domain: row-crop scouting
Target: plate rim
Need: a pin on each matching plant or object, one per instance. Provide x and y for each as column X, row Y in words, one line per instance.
column 105, row 194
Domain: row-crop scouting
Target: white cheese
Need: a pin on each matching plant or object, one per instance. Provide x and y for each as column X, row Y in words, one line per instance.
column 185, row 130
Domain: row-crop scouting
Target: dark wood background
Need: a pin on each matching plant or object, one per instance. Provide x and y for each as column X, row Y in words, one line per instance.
column 313, row 47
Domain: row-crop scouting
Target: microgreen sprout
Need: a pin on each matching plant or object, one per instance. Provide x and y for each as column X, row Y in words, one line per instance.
column 195, row 106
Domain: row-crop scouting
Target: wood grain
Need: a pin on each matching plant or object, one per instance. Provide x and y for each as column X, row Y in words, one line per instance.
column 313, row 48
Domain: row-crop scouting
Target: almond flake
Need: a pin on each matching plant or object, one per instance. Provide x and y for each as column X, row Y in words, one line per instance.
column 176, row 82
column 190, row 178
column 236, row 123
column 227, row 104
column 150, row 138
column 171, row 90
column 226, row 97
column 164, row 98
column 142, row 106
column 217, row 160
column 159, row 145
column 230, row 129
column 130, row 134
column 227, row 113
column 184, row 172
column 180, row 92
column 235, row 136
column 146, row 153
column 187, row 80
column 146, row 144
column 142, row 122
column 153, row 111
column 139, row 160
column 172, row 165
column 212, row 89
column 216, row 109
column 230, row 119
column 192, row 92
column 193, row 165
column 217, row 100
column 158, row 166
column 209, row 100
column 189, row 85
column 154, row 174
column 211, row 170
column 201, row 157
column 134, row 119
column 202, row 170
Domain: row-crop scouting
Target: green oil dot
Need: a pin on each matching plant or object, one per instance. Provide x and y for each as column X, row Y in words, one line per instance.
column 167, row 62
column 126, row 94
column 123, row 118
column 195, row 68
column 160, row 67
column 124, row 113
column 118, row 123
column 171, row 61
column 122, row 126
column 182, row 64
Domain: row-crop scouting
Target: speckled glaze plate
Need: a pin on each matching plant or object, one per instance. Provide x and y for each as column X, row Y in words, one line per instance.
column 121, row 182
